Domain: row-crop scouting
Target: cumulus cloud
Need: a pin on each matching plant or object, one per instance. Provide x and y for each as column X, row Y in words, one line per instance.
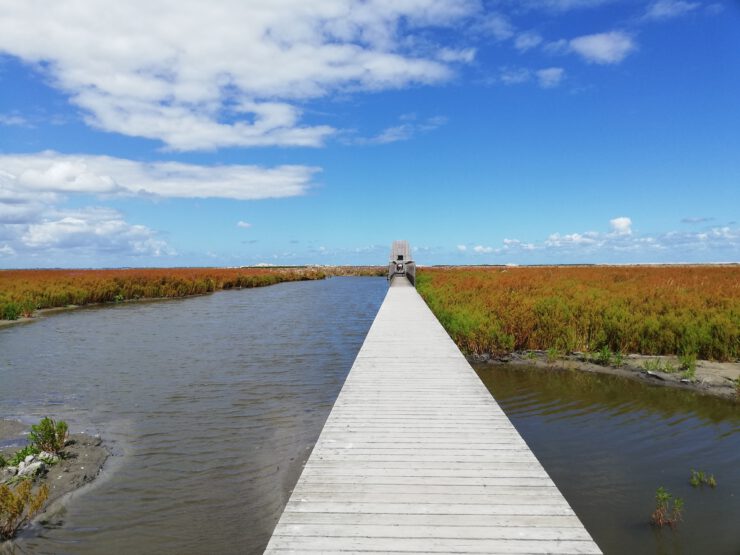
column 52, row 173
column 603, row 48
column 668, row 9
column 621, row 225
column 462, row 248
column 227, row 73
column 34, row 186
column 243, row 224
column 94, row 230
column 620, row 244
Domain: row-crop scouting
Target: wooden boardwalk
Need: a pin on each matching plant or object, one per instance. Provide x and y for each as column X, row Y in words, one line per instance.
column 417, row 457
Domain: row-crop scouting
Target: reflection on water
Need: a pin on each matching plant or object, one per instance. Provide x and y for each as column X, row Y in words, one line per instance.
column 608, row 443
column 211, row 405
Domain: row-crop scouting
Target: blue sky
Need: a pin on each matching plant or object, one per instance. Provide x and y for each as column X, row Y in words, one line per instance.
column 285, row 132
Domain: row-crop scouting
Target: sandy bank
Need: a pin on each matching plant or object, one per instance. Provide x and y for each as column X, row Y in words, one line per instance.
column 83, row 459
column 719, row 379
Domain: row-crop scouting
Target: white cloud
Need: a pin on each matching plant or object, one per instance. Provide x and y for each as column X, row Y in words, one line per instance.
column 52, row 173
column 696, row 220
column 621, row 225
column 465, row 55
column 527, row 40
column 560, row 5
column 558, row 240
column 243, row 224
column 496, row 25
column 621, row 244
column 92, row 231
column 227, row 72
column 550, row 77
column 33, row 227
column 515, row 75
column 603, row 48
column 667, row 9
column 6, row 250
column 401, row 132
column 34, row 186
column 13, row 120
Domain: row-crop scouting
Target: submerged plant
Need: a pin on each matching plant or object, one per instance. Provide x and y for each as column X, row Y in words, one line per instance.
column 18, row 506
column 701, row 478
column 49, row 435
column 668, row 509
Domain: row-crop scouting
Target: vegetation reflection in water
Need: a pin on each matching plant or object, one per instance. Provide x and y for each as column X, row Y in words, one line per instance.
column 609, row 443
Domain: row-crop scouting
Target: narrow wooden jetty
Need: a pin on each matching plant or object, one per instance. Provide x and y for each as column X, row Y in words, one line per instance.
column 417, row 457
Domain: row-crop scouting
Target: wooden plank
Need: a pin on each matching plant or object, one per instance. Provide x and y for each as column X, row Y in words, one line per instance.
column 417, row 457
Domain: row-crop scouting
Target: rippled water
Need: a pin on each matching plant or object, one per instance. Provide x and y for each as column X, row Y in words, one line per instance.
column 210, row 404
column 608, row 443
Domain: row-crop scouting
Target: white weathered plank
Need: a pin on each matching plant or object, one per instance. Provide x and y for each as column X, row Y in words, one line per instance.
column 416, row 456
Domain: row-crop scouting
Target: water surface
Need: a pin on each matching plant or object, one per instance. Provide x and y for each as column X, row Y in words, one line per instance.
column 210, row 404
column 608, row 443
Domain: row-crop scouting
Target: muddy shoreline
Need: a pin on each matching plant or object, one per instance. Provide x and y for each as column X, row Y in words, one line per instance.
column 719, row 379
column 83, row 459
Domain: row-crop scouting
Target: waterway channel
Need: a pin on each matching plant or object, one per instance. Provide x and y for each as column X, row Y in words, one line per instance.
column 608, row 443
column 211, row 405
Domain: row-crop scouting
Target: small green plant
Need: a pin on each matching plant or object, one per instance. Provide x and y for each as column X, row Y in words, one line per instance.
column 652, row 365
column 701, row 478
column 688, row 362
column 11, row 311
column 118, row 298
column 21, row 454
column 604, row 356
column 531, row 355
column 18, row 505
column 3, row 462
column 552, row 354
column 49, row 435
column 668, row 509
column 689, row 374
column 618, row 359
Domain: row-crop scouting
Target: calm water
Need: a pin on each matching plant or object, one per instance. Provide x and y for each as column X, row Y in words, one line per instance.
column 608, row 443
column 210, row 404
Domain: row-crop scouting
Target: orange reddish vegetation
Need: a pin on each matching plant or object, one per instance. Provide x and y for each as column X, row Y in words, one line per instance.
column 653, row 310
column 23, row 291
